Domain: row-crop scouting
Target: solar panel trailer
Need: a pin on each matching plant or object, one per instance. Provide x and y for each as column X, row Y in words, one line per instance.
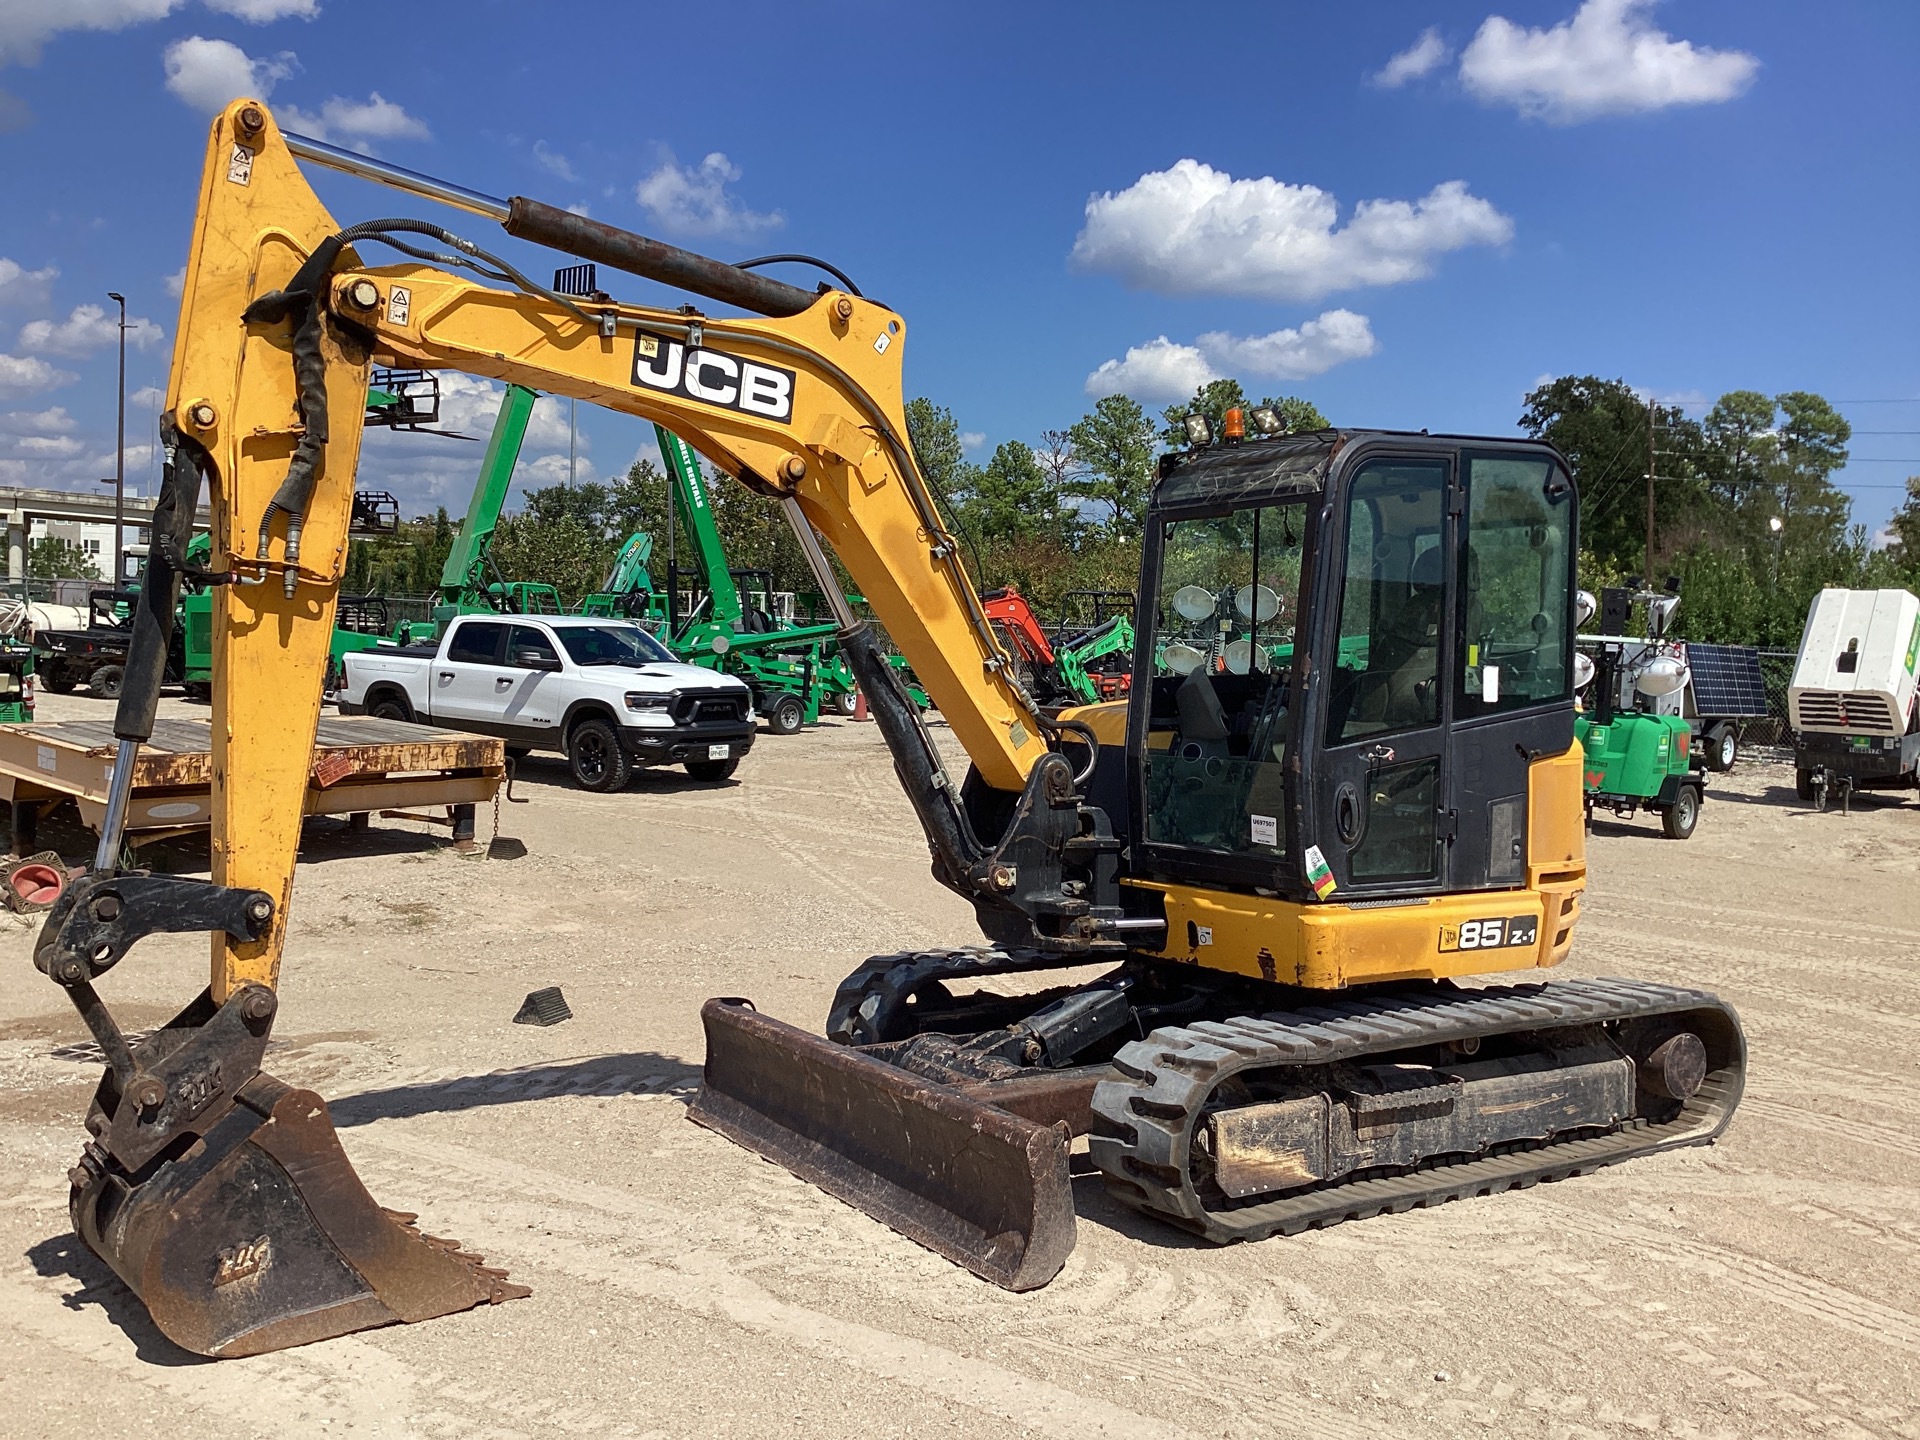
column 1724, row 691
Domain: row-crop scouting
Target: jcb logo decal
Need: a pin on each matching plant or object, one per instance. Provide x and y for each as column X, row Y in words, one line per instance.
column 1515, row 931
column 712, row 378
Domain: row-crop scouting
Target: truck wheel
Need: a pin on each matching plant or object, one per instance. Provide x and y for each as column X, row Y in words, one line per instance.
column 594, row 753
column 788, row 715
column 58, row 681
column 390, row 707
column 106, row 682
column 713, row 771
column 1723, row 748
column 845, row 703
column 1680, row 817
column 1803, row 784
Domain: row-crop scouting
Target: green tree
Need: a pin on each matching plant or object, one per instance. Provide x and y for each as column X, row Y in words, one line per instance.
column 1904, row 531
column 1602, row 427
column 51, row 558
column 1115, row 445
column 1739, row 432
column 937, row 446
column 1015, row 496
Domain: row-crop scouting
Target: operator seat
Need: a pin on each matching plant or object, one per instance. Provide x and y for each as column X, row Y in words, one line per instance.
column 1202, row 717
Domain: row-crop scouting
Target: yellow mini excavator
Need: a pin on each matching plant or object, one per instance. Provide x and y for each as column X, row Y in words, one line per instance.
column 1344, row 777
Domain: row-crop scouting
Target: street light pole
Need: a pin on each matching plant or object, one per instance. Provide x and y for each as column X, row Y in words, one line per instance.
column 120, row 457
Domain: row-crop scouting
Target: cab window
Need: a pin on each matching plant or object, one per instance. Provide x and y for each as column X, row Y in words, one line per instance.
column 477, row 642
column 528, row 638
column 1516, row 595
column 1222, row 647
column 1386, row 662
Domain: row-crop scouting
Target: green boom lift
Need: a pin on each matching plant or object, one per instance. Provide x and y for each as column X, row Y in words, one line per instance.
column 792, row 669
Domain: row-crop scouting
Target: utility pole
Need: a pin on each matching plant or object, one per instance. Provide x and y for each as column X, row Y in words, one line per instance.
column 1650, row 452
column 120, row 460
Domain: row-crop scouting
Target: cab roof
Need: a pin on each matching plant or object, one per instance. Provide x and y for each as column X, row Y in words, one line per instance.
column 1256, row 468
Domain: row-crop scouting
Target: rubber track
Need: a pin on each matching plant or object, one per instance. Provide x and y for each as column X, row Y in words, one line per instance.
column 1144, row 1122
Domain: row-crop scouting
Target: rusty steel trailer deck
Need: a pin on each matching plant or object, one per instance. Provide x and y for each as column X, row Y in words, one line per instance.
column 360, row 765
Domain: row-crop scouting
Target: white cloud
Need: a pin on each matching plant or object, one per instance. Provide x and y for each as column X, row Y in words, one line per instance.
column 26, row 25
column 552, row 160
column 972, row 439
column 23, row 287
column 208, row 74
column 1161, row 369
column 260, row 12
column 147, row 397
column 27, row 375
column 579, row 207
column 41, row 447
column 1607, row 60
column 544, row 470
column 52, row 421
column 356, row 123
column 1423, row 57
column 1157, row 370
column 693, row 200
column 86, row 329
column 177, row 282
column 1194, row 230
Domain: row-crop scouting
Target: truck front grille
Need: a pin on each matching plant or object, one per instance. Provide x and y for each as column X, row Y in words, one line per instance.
column 709, row 707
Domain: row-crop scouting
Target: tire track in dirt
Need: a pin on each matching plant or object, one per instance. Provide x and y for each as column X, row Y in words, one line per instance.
column 1773, row 1284
column 710, row 1281
column 1843, row 1129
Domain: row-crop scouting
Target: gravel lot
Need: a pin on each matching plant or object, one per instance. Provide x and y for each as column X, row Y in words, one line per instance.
column 682, row 1287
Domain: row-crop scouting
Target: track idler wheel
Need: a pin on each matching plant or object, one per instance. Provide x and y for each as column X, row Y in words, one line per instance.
column 260, row 1235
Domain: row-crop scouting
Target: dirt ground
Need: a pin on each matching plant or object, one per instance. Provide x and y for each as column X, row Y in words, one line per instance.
column 682, row 1287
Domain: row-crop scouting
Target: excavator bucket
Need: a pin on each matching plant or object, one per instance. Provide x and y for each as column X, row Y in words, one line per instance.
column 261, row 1236
column 975, row 1183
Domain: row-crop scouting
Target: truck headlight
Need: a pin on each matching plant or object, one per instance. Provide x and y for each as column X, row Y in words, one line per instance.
column 638, row 701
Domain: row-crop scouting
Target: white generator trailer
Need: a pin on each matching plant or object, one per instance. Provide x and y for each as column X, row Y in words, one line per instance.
column 1851, row 702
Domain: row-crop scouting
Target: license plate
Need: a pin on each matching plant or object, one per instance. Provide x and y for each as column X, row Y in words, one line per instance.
column 719, row 752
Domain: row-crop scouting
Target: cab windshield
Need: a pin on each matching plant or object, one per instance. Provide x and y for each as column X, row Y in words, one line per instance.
column 1223, row 632
column 611, row 645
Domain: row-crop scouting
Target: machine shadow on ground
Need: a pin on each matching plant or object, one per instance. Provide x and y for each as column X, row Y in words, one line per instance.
column 65, row 1257
column 638, row 1072
column 550, row 772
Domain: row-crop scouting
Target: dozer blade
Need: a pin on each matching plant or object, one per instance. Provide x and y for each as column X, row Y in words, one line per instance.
column 261, row 1236
column 969, row 1181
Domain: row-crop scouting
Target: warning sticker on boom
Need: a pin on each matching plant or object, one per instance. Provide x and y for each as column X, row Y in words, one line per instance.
column 1490, row 934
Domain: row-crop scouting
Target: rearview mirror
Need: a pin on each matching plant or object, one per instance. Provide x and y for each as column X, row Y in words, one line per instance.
column 531, row 659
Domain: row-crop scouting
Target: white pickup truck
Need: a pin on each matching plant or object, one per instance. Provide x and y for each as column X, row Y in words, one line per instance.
column 604, row 693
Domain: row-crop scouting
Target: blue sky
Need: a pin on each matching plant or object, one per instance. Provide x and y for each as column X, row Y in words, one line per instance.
column 1407, row 212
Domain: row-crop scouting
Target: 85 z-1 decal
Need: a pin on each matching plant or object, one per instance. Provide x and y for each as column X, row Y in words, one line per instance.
column 1490, row 934
column 711, row 377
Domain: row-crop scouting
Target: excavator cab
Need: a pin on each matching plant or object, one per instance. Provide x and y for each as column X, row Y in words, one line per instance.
column 1394, row 613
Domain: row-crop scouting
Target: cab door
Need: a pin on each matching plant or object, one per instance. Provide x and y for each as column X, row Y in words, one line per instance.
column 1381, row 813
column 1445, row 667
column 537, row 700
column 468, row 684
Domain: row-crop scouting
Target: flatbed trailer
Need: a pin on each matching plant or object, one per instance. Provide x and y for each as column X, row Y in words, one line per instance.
column 360, row 765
